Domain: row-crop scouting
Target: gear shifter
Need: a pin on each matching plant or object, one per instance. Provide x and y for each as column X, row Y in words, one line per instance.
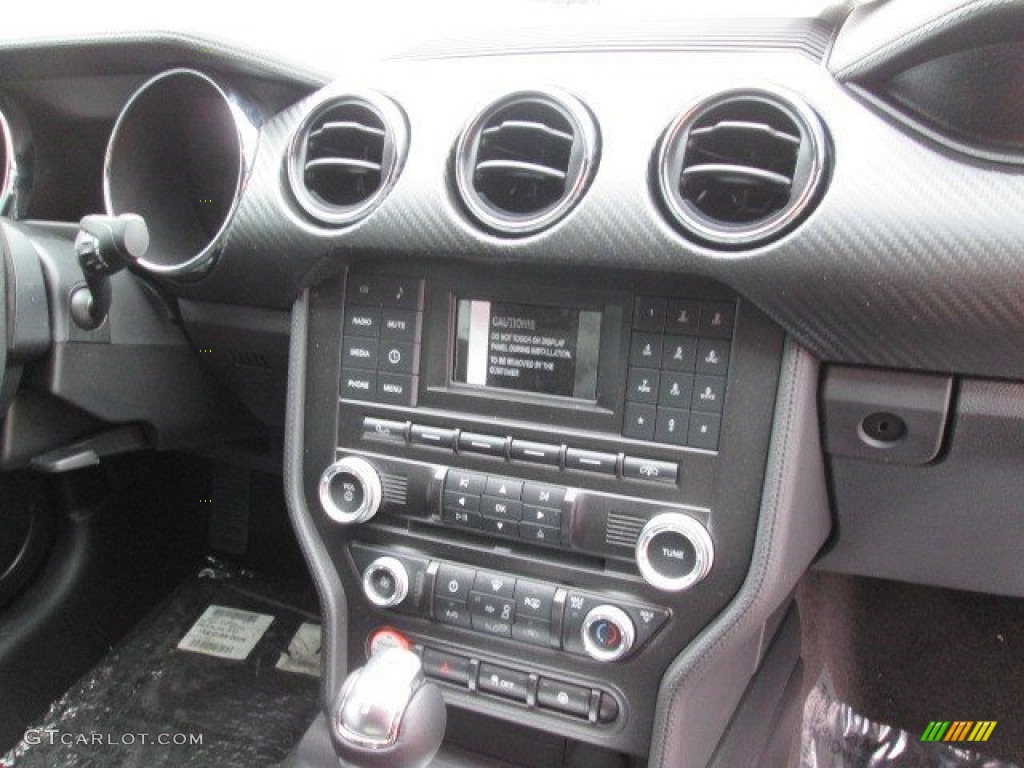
column 388, row 714
column 105, row 245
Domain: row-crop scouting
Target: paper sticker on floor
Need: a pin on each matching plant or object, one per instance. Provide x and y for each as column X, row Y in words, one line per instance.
column 228, row 633
column 303, row 654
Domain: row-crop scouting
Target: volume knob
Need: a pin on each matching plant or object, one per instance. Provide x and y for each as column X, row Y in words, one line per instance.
column 350, row 490
column 674, row 552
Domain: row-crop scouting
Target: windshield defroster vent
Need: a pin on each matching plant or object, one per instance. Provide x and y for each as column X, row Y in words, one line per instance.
column 346, row 155
column 526, row 160
column 742, row 167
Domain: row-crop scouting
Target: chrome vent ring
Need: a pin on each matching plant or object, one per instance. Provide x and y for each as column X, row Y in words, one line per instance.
column 526, row 160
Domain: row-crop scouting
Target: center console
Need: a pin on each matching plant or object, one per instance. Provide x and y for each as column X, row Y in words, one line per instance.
column 545, row 483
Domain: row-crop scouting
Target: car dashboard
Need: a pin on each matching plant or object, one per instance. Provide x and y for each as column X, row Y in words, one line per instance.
column 576, row 347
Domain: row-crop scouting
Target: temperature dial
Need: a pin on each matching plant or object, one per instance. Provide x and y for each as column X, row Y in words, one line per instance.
column 608, row 633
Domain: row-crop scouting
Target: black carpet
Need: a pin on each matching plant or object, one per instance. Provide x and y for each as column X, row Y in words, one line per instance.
column 906, row 655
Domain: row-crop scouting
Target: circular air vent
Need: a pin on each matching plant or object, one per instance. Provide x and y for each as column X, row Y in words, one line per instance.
column 742, row 167
column 346, row 155
column 526, row 160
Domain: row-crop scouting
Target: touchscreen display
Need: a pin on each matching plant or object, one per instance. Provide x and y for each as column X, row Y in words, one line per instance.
column 526, row 347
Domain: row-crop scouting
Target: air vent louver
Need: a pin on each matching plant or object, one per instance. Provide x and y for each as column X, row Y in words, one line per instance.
column 742, row 167
column 345, row 157
column 526, row 160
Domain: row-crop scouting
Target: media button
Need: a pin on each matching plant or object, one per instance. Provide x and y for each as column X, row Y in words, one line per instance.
column 492, row 506
column 650, row 469
column 537, row 453
column 464, row 482
column 359, row 353
column 543, row 495
column 593, row 461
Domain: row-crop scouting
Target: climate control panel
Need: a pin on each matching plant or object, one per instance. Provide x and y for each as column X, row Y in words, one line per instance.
column 502, row 605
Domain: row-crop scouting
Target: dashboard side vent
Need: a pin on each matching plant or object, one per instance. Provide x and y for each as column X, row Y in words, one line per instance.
column 346, row 156
column 526, row 160
column 742, row 167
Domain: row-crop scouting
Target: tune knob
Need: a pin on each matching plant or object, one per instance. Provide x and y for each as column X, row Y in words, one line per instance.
column 350, row 490
column 608, row 633
column 385, row 582
column 674, row 551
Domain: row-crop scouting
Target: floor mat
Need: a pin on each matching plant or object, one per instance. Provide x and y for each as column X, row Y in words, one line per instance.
column 239, row 691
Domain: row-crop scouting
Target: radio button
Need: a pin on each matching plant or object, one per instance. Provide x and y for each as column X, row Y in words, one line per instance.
column 464, row 482
column 501, row 509
column 563, row 697
column 496, row 584
column 542, row 516
column 362, row 321
column 504, row 488
column 489, row 445
column 534, row 601
column 540, row 534
column 454, row 582
column 642, row 385
column 593, row 461
column 537, row 453
column 532, row 631
column 543, row 495
column 639, row 423
column 400, row 324
column 452, row 612
column 650, row 469
column 436, row 436
column 500, row 527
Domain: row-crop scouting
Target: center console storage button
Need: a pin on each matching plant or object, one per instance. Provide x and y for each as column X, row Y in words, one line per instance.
column 501, row 509
column 510, row 683
column 504, row 488
column 563, row 697
column 452, row 612
column 497, row 584
column 593, row 461
column 454, row 582
column 543, row 495
column 537, row 453
column 446, row 666
column 534, row 600
column 489, row 445
column 464, row 482
column 436, row 436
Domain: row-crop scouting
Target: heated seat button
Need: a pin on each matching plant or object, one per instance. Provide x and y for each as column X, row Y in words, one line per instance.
column 510, row 683
column 563, row 697
column 446, row 666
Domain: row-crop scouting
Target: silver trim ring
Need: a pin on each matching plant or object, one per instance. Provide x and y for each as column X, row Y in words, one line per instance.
column 582, row 162
column 394, row 567
column 396, row 147
column 699, row 538
column 247, row 129
column 811, row 130
column 364, row 473
column 620, row 619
